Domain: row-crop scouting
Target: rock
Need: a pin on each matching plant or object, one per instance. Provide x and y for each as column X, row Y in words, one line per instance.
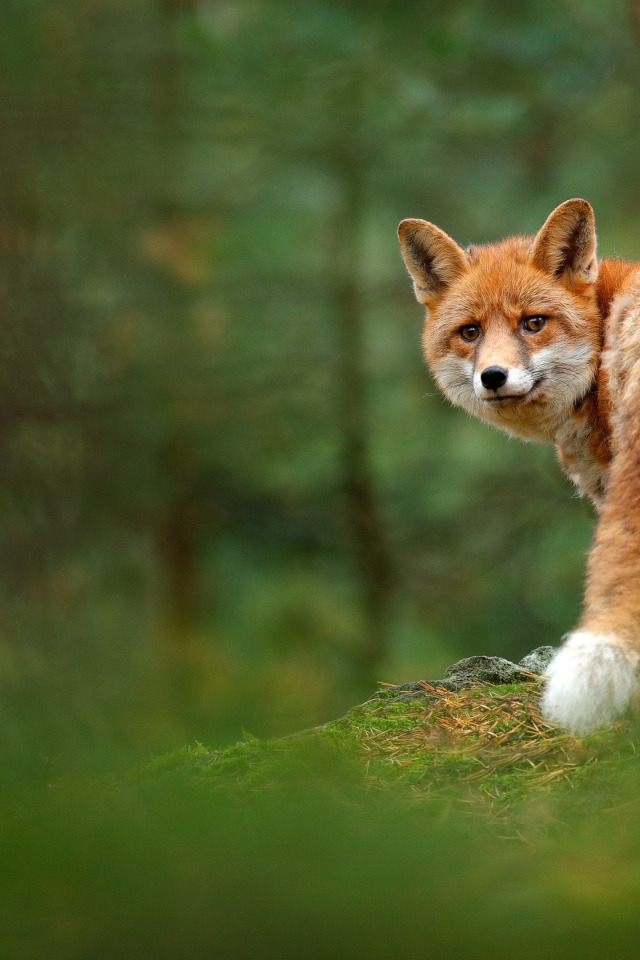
column 473, row 670
column 538, row 660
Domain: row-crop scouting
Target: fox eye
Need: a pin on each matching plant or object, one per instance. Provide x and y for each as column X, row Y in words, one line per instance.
column 470, row 332
column 534, row 323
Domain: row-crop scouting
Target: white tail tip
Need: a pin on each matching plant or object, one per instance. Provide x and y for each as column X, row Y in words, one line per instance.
column 592, row 681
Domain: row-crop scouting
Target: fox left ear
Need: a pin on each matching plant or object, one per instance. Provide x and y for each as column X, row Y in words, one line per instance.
column 432, row 258
column 566, row 242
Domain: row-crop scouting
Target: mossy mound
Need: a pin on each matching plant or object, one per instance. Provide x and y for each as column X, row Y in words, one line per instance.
column 482, row 747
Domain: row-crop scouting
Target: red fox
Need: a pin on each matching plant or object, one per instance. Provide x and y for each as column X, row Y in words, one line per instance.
column 537, row 337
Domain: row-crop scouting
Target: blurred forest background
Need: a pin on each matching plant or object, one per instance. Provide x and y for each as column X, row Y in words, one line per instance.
column 230, row 493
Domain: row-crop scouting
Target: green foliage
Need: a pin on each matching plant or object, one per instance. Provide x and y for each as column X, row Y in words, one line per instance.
column 231, row 496
column 230, row 493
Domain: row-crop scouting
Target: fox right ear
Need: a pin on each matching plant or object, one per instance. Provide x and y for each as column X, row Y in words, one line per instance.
column 433, row 259
column 565, row 245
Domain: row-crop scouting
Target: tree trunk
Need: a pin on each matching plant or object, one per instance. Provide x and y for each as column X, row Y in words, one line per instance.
column 177, row 522
column 367, row 535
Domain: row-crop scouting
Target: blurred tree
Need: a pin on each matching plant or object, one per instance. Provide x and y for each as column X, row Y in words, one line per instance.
column 212, row 413
column 347, row 158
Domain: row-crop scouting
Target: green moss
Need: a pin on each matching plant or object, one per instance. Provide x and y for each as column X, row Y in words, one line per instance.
column 485, row 749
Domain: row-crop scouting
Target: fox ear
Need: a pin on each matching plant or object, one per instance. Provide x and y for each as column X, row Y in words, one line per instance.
column 433, row 259
column 566, row 242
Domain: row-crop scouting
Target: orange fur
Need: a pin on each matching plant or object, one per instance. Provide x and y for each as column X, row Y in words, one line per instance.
column 533, row 335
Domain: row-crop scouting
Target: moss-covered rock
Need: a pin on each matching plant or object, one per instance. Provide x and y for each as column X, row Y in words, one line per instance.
column 471, row 739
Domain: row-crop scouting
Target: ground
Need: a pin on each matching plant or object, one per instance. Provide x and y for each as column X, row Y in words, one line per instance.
column 482, row 748
column 433, row 820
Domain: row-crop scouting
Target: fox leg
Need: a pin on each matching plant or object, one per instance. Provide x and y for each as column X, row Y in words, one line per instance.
column 595, row 677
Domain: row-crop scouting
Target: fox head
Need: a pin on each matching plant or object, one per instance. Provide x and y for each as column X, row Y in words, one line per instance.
column 512, row 332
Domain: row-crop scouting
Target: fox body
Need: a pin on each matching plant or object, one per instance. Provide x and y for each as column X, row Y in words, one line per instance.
column 538, row 338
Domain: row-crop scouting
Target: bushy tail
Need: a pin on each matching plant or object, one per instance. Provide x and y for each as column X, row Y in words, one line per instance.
column 592, row 681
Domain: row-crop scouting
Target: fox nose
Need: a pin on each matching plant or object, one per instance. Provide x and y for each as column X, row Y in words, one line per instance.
column 493, row 377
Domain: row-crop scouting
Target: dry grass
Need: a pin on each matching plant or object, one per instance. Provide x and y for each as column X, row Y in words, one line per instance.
column 491, row 742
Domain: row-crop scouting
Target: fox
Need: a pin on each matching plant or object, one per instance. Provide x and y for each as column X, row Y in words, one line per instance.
column 536, row 336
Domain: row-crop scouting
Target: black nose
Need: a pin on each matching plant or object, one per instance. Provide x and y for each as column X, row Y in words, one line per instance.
column 493, row 377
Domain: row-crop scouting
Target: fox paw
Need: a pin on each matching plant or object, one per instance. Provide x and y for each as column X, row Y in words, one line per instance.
column 592, row 681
